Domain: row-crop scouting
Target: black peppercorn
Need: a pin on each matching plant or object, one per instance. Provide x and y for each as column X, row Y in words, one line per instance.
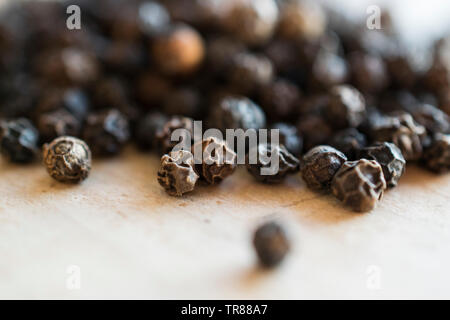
column 264, row 155
column 271, row 244
column 328, row 70
column 176, row 174
column 280, row 100
column 349, row 141
column 289, row 137
column 432, row 118
column 346, row 107
column 389, row 156
column 18, row 140
column 58, row 123
column 152, row 89
column 106, row 132
column 185, row 101
column 319, row 166
column 359, row 184
column 233, row 112
column 164, row 135
column 220, row 53
column 314, row 129
column 110, row 92
column 436, row 156
column 216, row 160
column 67, row 159
column 147, row 128
column 368, row 72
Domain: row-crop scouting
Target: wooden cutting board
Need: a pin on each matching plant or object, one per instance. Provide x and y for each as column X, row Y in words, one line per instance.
column 118, row 235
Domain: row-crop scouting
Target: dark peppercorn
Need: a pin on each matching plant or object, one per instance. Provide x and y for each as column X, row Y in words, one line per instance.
column 319, row 166
column 389, row 156
column 328, row 70
column 58, row 123
column 179, row 50
column 220, row 53
column 280, row 100
column 368, row 72
column 346, row 107
column 271, row 244
column 216, row 160
column 185, row 101
column 110, row 92
column 152, row 89
column 436, row 156
column 400, row 129
column 147, row 128
column 153, row 18
column 18, row 140
column 400, row 70
column 264, row 155
column 164, row 135
column 432, row 118
column 233, row 112
column 289, row 137
column 349, row 141
column 176, row 174
column 106, row 132
column 248, row 72
column 359, row 184
column 67, row 159
column 314, row 129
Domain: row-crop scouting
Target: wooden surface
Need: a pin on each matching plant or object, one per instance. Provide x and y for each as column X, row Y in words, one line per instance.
column 130, row 240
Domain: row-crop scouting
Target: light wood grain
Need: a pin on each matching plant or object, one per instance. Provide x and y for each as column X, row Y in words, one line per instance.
column 131, row 240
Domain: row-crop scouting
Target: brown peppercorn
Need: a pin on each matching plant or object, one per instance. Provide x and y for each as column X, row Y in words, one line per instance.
column 359, row 184
column 67, row 159
column 368, row 72
column 436, row 157
column 178, row 51
column 390, row 158
column 58, row 123
column 314, row 129
column 271, row 244
column 152, row 89
column 164, row 135
column 106, row 132
column 184, row 100
column 346, row 107
column 252, row 21
column 319, row 166
column 350, row 141
column 176, row 174
column 265, row 153
column 215, row 161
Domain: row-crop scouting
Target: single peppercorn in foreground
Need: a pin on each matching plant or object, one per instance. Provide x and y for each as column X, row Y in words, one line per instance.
column 271, row 244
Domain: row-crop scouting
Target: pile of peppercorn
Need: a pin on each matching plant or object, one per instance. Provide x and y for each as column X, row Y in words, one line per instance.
column 351, row 107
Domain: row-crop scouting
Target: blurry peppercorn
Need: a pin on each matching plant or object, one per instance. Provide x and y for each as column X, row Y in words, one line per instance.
column 236, row 112
column 289, row 137
column 436, row 156
column 18, row 140
column 432, row 118
column 389, row 156
column 58, row 123
column 349, row 141
column 328, row 70
column 359, row 184
column 346, row 107
column 319, row 166
column 147, row 128
column 280, row 100
column 184, row 100
column 176, row 174
column 67, row 159
column 152, row 89
column 368, row 72
column 110, row 92
column 220, row 52
column 106, row 132
column 271, row 244
column 179, row 50
column 314, row 129
column 214, row 160
column 270, row 163
column 400, row 70
column 164, row 135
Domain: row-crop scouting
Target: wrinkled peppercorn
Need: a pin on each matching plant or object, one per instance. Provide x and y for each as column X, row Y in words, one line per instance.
column 67, row 159
column 147, row 128
column 179, row 50
column 319, row 166
column 280, row 100
column 289, row 137
column 216, row 160
column 346, row 107
column 164, row 135
column 349, row 141
column 176, row 174
column 359, row 184
column 233, row 112
column 436, row 156
column 18, row 140
column 432, row 118
column 58, row 123
column 106, row 132
column 271, row 244
column 265, row 155
column 390, row 158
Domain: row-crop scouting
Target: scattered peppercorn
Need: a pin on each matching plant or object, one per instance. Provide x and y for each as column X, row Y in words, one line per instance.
column 164, row 134
column 359, row 184
column 176, row 174
column 147, row 128
column 319, row 166
column 437, row 156
column 261, row 163
column 346, row 107
column 18, row 140
column 289, row 137
column 349, row 141
column 389, row 157
column 67, row 159
column 58, row 123
column 271, row 244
